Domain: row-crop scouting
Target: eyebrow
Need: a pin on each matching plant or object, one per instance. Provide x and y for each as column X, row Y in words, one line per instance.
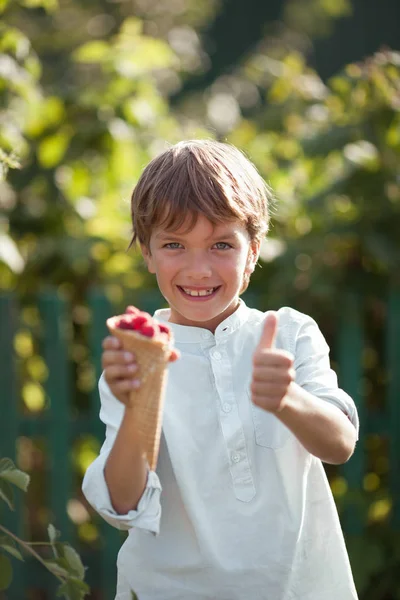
column 226, row 235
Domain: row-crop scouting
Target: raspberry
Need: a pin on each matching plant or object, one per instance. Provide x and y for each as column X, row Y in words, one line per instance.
column 139, row 321
column 125, row 323
column 164, row 328
column 148, row 330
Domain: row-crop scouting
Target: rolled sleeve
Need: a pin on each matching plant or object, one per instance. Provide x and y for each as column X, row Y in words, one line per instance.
column 148, row 513
column 313, row 370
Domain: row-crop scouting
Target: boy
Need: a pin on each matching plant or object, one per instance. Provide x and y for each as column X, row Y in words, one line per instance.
column 252, row 408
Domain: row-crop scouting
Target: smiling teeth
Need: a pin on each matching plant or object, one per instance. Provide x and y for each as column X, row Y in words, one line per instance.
column 199, row 292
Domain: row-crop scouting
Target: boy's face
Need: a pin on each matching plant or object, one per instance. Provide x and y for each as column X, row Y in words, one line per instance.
column 200, row 272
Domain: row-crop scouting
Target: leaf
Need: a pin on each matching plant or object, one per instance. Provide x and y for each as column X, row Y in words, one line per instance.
column 56, row 568
column 53, row 533
column 6, row 572
column 52, row 148
column 9, row 472
column 94, row 51
column 7, row 493
column 73, row 589
column 8, row 545
column 48, row 5
column 74, row 561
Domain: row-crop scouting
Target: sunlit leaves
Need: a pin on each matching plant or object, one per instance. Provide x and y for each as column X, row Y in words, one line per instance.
column 130, row 54
column 19, row 71
column 43, row 114
column 95, row 51
column 52, row 148
column 49, row 5
column 7, row 161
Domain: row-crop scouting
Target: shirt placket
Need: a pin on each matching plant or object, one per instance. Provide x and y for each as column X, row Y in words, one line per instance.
column 231, row 424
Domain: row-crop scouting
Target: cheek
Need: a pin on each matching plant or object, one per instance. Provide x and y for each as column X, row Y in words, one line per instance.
column 165, row 266
column 235, row 265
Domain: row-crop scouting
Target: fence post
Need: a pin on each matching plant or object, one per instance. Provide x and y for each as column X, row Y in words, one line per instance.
column 101, row 309
column 393, row 397
column 9, row 425
column 350, row 349
column 8, row 377
column 53, row 313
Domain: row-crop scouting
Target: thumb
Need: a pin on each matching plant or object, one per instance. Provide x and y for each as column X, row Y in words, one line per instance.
column 269, row 331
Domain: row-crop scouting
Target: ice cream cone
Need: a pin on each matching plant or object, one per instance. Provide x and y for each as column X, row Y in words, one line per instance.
column 152, row 357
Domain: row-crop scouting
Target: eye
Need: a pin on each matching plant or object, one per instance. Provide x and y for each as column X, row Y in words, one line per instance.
column 223, row 246
column 172, row 245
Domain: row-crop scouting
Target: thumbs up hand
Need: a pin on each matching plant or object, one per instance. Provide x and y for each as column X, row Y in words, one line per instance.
column 273, row 372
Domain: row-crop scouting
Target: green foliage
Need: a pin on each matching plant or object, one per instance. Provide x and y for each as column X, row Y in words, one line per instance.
column 65, row 565
column 331, row 153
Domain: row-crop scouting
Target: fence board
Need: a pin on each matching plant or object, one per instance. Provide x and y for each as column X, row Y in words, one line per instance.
column 100, row 311
column 53, row 313
column 393, row 398
column 9, row 424
column 350, row 348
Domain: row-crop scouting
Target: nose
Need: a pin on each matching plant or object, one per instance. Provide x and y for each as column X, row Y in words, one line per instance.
column 198, row 266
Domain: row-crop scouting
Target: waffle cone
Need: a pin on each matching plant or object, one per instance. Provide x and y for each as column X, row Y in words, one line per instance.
column 152, row 357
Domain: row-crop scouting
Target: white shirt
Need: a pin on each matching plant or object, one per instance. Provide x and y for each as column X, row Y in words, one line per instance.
column 237, row 508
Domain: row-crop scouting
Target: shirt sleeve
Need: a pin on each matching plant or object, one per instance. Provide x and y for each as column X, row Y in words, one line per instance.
column 313, row 370
column 148, row 513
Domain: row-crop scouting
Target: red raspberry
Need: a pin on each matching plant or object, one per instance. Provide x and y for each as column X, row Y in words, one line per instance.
column 139, row 321
column 164, row 328
column 125, row 323
column 148, row 330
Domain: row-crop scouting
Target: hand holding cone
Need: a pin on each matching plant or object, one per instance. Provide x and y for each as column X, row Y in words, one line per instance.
column 151, row 342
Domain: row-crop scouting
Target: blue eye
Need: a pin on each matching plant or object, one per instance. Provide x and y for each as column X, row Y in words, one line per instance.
column 172, row 245
column 223, row 246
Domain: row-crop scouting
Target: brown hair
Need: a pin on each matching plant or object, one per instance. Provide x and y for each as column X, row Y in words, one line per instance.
column 195, row 177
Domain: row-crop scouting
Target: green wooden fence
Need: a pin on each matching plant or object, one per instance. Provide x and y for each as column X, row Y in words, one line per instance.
column 62, row 422
column 59, row 427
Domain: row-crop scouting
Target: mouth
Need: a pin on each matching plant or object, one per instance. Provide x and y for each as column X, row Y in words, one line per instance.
column 199, row 294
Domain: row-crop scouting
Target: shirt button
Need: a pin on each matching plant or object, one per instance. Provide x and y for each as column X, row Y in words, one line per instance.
column 235, row 457
column 226, row 407
column 217, row 355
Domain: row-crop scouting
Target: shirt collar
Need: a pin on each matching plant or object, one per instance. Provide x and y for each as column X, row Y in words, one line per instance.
column 184, row 333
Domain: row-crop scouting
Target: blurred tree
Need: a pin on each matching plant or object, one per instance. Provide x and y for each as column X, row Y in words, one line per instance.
column 83, row 141
column 331, row 153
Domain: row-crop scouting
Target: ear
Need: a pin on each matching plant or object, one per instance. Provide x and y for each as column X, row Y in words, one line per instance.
column 253, row 254
column 148, row 259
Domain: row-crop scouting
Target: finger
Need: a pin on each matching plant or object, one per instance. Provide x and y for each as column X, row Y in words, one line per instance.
column 111, row 343
column 273, row 376
column 120, row 357
column 278, row 359
column 122, row 389
column 117, row 372
column 269, row 331
column 269, row 393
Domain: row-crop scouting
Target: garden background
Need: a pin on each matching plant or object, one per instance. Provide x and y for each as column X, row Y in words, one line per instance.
column 89, row 92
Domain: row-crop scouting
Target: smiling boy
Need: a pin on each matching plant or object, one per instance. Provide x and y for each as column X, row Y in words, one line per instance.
column 239, row 505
